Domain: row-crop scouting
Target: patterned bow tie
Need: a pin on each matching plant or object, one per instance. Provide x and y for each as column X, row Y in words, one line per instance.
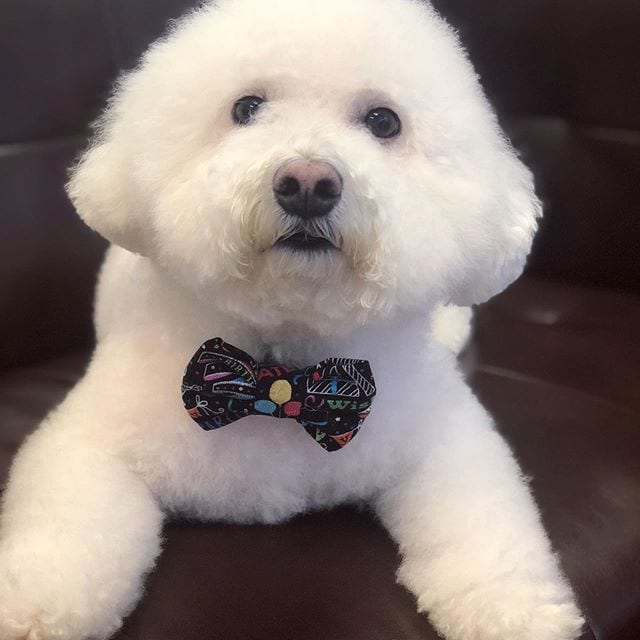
column 330, row 400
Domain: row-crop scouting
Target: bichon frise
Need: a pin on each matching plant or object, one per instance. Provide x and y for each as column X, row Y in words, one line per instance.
column 307, row 180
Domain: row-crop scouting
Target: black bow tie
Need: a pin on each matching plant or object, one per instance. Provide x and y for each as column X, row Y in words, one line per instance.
column 330, row 400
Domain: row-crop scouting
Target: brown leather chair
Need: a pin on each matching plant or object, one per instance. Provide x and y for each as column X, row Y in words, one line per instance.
column 556, row 358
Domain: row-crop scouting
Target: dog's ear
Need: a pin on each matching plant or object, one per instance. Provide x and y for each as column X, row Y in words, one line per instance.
column 497, row 257
column 103, row 191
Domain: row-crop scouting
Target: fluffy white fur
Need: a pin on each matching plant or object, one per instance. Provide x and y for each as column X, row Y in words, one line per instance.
column 443, row 213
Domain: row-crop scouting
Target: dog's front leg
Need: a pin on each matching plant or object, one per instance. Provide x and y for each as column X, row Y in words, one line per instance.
column 473, row 549
column 78, row 532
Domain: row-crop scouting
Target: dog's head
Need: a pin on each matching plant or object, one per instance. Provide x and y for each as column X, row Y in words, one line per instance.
column 318, row 162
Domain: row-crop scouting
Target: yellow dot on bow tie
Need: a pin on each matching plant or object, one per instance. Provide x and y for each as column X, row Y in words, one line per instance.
column 280, row 391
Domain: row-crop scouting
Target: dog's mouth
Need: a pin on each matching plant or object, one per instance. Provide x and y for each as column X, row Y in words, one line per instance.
column 304, row 241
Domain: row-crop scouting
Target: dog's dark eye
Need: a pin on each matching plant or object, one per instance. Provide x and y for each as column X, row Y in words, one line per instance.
column 245, row 109
column 383, row 122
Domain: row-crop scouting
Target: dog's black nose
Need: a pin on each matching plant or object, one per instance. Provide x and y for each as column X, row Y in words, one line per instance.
column 307, row 188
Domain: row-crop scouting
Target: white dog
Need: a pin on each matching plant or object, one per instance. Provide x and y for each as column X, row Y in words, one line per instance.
column 305, row 180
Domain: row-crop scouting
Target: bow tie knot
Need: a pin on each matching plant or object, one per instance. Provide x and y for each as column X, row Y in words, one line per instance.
column 330, row 400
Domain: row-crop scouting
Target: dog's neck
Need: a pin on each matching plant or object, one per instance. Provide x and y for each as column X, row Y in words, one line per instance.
column 299, row 345
column 290, row 342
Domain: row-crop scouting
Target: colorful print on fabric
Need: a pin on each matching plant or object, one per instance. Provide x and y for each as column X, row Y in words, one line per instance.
column 330, row 400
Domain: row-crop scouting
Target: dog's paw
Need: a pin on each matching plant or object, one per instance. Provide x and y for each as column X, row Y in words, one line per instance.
column 14, row 629
column 22, row 619
column 534, row 612
column 18, row 622
column 554, row 622
column 546, row 622
column 17, row 614
column 38, row 602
